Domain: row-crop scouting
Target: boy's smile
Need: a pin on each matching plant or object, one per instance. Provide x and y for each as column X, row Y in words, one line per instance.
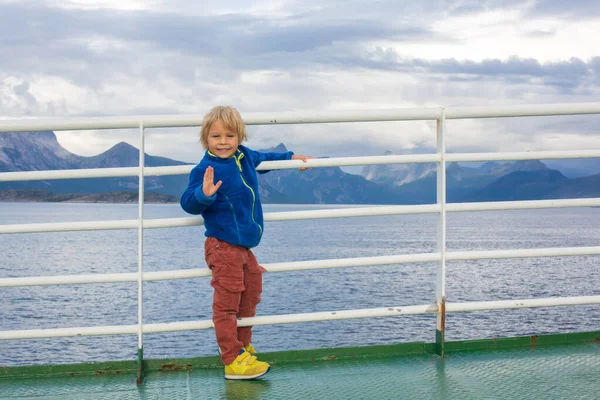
column 221, row 141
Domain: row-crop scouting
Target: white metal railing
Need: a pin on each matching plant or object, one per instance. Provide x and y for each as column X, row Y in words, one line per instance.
column 440, row 307
column 323, row 162
column 305, row 265
column 300, row 215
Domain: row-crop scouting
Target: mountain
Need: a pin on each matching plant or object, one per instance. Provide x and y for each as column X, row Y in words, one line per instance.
column 587, row 186
column 576, row 168
column 323, row 186
column 106, row 197
column 402, row 174
column 124, row 155
column 521, row 185
column 521, row 165
column 461, row 181
column 33, row 151
column 381, row 184
column 397, row 174
column 41, row 151
column 486, row 166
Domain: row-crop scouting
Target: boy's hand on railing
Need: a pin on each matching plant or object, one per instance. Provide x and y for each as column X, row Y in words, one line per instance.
column 208, row 186
column 303, row 158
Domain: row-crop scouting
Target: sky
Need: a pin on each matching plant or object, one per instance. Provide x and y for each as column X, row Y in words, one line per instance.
column 77, row 58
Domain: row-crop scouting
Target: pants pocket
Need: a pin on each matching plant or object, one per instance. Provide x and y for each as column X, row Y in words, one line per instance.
column 231, row 285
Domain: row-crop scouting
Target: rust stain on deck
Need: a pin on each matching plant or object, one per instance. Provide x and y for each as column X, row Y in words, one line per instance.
column 175, row 367
column 534, row 340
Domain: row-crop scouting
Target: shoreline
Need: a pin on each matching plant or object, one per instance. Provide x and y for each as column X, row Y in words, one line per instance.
column 43, row 196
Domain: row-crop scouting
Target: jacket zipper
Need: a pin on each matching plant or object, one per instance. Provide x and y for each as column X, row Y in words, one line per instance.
column 239, row 164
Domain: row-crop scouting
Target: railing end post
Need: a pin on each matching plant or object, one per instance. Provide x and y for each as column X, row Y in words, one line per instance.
column 440, row 328
column 140, row 366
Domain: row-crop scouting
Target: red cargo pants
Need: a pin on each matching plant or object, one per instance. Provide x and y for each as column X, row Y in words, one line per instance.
column 237, row 280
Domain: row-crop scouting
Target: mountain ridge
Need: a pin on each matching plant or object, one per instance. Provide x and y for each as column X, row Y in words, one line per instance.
column 388, row 184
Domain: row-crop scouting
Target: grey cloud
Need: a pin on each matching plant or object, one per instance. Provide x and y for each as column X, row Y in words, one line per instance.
column 563, row 75
column 581, row 124
column 17, row 100
column 21, row 89
column 570, row 70
column 56, row 42
column 575, row 9
column 595, row 65
column 305, row 36
column 202, row 35
column 558, row 8
column 38, row 27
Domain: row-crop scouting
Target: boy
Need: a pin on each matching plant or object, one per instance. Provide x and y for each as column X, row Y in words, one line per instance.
column 233, row 220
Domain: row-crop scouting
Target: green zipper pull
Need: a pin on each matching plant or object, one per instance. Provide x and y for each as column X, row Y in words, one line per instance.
column 237, row 161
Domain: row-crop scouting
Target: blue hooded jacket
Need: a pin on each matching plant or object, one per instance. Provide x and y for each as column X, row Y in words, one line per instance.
column 234, row 213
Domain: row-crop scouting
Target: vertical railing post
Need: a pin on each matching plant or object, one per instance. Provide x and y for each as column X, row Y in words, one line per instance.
column 440, row 290
column 140, row 352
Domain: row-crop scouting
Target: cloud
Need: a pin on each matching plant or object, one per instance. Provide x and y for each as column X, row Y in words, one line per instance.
column 565, row 76
column 535, row 8
column 84, row 58
column 240, row 34
column 586, row 9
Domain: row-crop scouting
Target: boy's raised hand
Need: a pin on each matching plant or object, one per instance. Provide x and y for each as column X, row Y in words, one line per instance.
column 208, row 186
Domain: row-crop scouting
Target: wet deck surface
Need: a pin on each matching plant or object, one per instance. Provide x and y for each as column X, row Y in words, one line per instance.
column 544, row 372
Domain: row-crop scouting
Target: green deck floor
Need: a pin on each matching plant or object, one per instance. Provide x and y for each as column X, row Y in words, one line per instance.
column 549, row 372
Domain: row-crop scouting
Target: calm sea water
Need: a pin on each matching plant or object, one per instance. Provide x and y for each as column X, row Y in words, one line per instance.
column 46, row 254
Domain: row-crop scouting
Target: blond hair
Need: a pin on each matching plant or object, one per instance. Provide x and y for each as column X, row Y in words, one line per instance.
column 229, row 117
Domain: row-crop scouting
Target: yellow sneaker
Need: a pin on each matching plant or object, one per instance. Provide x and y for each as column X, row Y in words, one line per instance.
column 249, row 348
column 246, row 366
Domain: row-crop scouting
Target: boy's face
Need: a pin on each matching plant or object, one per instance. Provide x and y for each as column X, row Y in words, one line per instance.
column 221, row 141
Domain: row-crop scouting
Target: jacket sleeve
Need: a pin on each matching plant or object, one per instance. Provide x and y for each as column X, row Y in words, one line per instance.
column 258, row 157
column 193, row 200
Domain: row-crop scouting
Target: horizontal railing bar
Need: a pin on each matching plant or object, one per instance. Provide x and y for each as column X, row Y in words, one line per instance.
column 524, row 303
column 522, row 155
column 379, row 312
column 351, row 212
column 68, row 279
column 185, row 169
column 203, row 272
column 69, row 226
column 305, row 265
column 430, row 158
column 194, row 120
column 302, row 215
column 292, row 164
column 207, row 324
column 522, row 204
column 302, row 117
column 523, row 253
column 93, row 173
column 350, row 262
column 68, row 332
column 349, row 161
column 295, row 318
column 197, row 221
column 306, row 317
column 526, row 110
